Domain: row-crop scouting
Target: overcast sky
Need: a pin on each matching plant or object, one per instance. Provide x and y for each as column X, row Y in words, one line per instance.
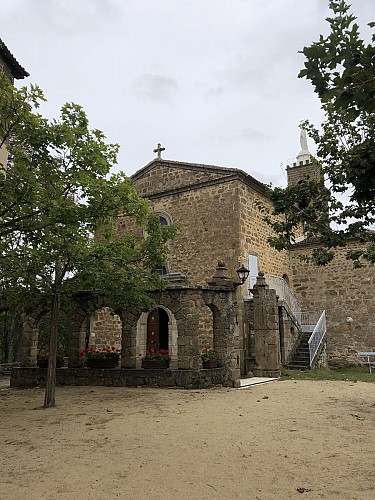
column 215, row 81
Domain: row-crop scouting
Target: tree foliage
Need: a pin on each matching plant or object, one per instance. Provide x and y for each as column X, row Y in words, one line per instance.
column 57, row 193
column 341, row 67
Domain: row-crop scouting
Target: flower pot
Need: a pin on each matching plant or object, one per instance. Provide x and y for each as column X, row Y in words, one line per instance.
column 43, row 363
column 102, row 363
column 159, row 364
column 210, row 363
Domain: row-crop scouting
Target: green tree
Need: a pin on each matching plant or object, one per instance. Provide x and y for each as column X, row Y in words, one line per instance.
column 341, row 68
column 57, row 194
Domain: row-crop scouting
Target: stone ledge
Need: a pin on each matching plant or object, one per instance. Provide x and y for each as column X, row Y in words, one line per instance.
column 123, row 377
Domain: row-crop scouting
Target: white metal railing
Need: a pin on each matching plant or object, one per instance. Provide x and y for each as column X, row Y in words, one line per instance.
column 308, row 320
column 317, row 337
column 285, row 294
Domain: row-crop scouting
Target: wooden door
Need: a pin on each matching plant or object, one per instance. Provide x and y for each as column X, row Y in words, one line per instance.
column 153, row 331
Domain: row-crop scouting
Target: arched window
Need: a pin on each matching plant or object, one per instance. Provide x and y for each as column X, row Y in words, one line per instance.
column 164, row 217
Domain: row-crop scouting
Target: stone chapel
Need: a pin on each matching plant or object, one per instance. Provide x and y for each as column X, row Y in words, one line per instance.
column 285, row 302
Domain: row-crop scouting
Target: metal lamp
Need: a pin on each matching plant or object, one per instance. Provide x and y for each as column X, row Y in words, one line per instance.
column 243, row 274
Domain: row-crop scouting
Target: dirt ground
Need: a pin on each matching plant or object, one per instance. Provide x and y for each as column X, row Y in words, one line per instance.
column 282, row 440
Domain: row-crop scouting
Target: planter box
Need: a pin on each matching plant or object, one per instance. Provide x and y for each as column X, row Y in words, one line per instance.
column 210, row 363
column 43, row 363
column 158, row 364
column 102, row 363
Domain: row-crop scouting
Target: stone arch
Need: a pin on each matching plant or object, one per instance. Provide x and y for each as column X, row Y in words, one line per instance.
column 85, row 303
column 28, row 348
column 286, row 279
column 141, row 336
column 207, row 337
column 166, row 216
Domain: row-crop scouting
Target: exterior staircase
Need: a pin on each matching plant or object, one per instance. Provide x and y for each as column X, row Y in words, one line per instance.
column 312, row 326
column 300, row 359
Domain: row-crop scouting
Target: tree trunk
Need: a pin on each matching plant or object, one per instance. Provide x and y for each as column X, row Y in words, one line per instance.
column 49, row 397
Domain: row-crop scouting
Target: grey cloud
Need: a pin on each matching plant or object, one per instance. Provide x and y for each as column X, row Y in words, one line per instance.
column 155, row 87
column 249, row 134
column 70, row 16
column 213, row 92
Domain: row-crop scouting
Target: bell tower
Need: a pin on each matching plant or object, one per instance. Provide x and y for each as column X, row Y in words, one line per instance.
column 303, row 168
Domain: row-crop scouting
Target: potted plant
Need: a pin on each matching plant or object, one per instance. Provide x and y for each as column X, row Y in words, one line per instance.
column 106, row 357
column 42, row 359
column 210, row 358
column 156, row 359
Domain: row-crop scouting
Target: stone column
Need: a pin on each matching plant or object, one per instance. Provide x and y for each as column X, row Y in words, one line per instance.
column 226, row 329
column 229, row 336
column 129, row 320
column 77, row 337
column 86, row 301
column 29, row 341
column 189, row 329
column 266, row 327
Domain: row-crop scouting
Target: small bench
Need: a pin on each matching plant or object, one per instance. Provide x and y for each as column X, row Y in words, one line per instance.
column 370, row 359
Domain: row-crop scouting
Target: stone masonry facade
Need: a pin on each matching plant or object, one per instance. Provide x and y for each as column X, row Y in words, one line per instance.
column 105, row 328
column 346, row 296
column 217, row 216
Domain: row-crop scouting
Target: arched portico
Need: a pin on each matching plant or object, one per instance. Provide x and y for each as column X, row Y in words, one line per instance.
column 198, row 317
column 141, row 338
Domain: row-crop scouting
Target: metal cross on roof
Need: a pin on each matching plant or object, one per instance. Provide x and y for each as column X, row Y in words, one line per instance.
column 158, row 150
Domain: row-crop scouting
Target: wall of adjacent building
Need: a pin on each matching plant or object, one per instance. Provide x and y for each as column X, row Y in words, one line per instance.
column 3, row 151
column 346, row 294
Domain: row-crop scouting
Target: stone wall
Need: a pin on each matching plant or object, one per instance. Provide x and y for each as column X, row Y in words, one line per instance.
column 301, row 171
column 3, row 151
column 163, row 175
column 105, row 328
column 217, row 217
column 208, row 230
column 4, row 68
column 345, row 294
column 118, row 377
column 254, row 233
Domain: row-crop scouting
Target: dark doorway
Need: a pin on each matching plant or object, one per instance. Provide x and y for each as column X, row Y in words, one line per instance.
column 157, row 330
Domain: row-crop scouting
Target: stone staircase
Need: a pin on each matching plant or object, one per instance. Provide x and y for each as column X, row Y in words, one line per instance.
column 300, row 359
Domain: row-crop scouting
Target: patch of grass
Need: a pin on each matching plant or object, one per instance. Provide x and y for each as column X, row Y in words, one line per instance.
column 350, row 374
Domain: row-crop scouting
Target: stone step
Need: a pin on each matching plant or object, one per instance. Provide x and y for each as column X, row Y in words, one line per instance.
column 298, row 367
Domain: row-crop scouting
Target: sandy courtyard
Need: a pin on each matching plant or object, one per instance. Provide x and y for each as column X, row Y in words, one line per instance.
column 266, row 442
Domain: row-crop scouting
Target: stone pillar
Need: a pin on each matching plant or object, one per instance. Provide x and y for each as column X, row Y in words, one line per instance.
column 86, row 301
column 266, row 327
column 188, row 325
column 129, row 320
column 226, row 330
column 77, row 337
column 29, row 341
column 230, row 337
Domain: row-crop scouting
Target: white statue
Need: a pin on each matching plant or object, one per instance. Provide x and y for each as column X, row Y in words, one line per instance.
column 303, row 140
column 304, row 155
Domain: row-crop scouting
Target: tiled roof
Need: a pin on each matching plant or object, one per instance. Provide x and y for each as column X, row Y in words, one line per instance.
column 17, row 70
